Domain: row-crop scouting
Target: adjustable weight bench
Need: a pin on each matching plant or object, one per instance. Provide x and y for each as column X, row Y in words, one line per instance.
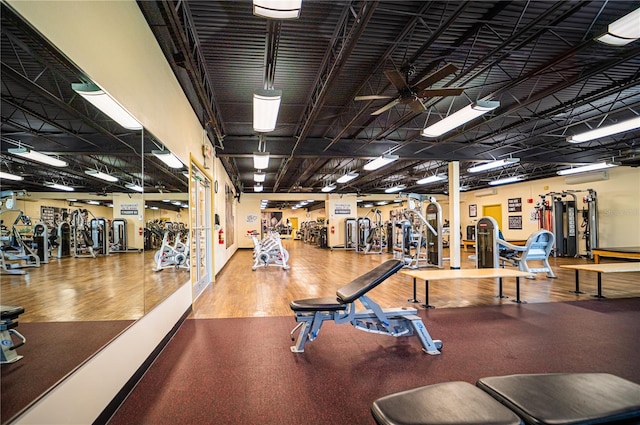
column 313, row 312
column 535, row 399
column 8, row 322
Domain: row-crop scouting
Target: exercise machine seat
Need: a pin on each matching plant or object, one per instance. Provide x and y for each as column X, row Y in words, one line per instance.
column 10, row 312
column 315, row 304
column 567, row 398
column 448, row 403
column 537, row 248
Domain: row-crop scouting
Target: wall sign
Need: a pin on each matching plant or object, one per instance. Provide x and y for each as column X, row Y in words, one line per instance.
column 515, row 222
column 128, row 209
column 342, row 209
column 473, row 210
column 515, row 204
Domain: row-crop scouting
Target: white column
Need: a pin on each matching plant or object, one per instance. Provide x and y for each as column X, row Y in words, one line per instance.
column 454, row 215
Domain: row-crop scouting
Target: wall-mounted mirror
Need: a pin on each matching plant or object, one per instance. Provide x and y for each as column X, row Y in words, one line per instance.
column 94, row 273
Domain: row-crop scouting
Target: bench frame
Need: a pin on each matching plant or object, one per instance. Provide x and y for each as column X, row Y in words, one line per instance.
column 396, row 322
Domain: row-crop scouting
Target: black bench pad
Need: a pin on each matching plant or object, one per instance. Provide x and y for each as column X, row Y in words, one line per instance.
column 363, row 284
column 317, row 304
column 566, row 398
column 449, row 403
column 10, row 311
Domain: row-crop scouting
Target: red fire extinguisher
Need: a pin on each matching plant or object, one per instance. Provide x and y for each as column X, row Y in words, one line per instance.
column 140, row 231
column 333, row 229
column 221, row 237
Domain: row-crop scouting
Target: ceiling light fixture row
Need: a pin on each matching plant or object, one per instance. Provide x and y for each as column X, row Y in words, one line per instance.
column 277, row 9
column 463, row 116
column 623, row 31
column 107, row 104
column 587, row 168
column 608, row 130
column 37, row 156
column 493, row 164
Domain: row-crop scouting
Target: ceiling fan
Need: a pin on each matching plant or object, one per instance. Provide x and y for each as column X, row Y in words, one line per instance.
column 413, row 95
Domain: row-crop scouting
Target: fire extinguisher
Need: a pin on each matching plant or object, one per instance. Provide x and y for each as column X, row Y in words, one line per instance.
column 221, row 237
column 333, row 229
column 140, row 231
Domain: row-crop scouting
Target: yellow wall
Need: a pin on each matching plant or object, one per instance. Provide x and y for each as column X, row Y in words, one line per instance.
column 618, row 206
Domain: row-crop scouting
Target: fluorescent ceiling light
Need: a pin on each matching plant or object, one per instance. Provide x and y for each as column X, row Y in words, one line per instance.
column 60, row 187
column 101, row 100
column 93, row 202
column 277, row 9
column 168, row 158
column 37, row 156
column 10, row 176
column 266, row 104
column 623, row 31
column 605, row 131
column 393, row 189
column 381, row 203
column 260, row 160
column 380, row 162
column 258, row 188
column 134, row 186
column 586, row 168
column 328, row 188
column 493, row 164
column 101, row 175
column 259, row 177
column 367, row 205
column 464, row 115
column 432, row 179
column 506, row 180
column 347, row 177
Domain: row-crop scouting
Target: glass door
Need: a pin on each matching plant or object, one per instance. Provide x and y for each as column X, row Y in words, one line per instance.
column 201, row 247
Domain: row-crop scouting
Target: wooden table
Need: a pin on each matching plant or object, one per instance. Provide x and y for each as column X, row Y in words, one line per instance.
column 468, row 243
column 628, row 252
column 448, row 274
column 601, row 268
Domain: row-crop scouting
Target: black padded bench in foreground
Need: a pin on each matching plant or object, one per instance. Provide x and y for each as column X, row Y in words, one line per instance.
column 313, row 312
column 535, row 399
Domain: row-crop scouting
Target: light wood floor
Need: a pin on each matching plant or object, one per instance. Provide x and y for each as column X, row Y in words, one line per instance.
column 315, row 272
column 120, row 286
column 124, row 287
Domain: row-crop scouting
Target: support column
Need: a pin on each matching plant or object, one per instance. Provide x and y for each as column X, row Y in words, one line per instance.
column 454, row 214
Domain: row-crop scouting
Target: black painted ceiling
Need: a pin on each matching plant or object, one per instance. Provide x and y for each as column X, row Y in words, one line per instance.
column 538, row 59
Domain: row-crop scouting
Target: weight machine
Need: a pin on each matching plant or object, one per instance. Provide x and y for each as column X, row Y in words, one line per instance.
column 559, row 215
column 88, row 234
column 42, row 241
column 118, row 237
column 63, row 240
column 15, row 253
column 373, row 237
column 417, row 240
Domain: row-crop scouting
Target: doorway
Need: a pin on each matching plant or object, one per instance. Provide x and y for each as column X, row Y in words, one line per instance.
column 201, row 246
column 494, row 211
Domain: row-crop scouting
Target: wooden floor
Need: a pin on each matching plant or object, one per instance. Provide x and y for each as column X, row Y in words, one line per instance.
column 315, row 272
column 120, row 286
column 124, row 287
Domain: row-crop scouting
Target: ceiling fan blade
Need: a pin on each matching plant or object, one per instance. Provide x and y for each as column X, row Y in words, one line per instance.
column 417, row 106
column 386, row 107
column 434, row 77
column 396, row 78
column 447, row 91
column 372, row 97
